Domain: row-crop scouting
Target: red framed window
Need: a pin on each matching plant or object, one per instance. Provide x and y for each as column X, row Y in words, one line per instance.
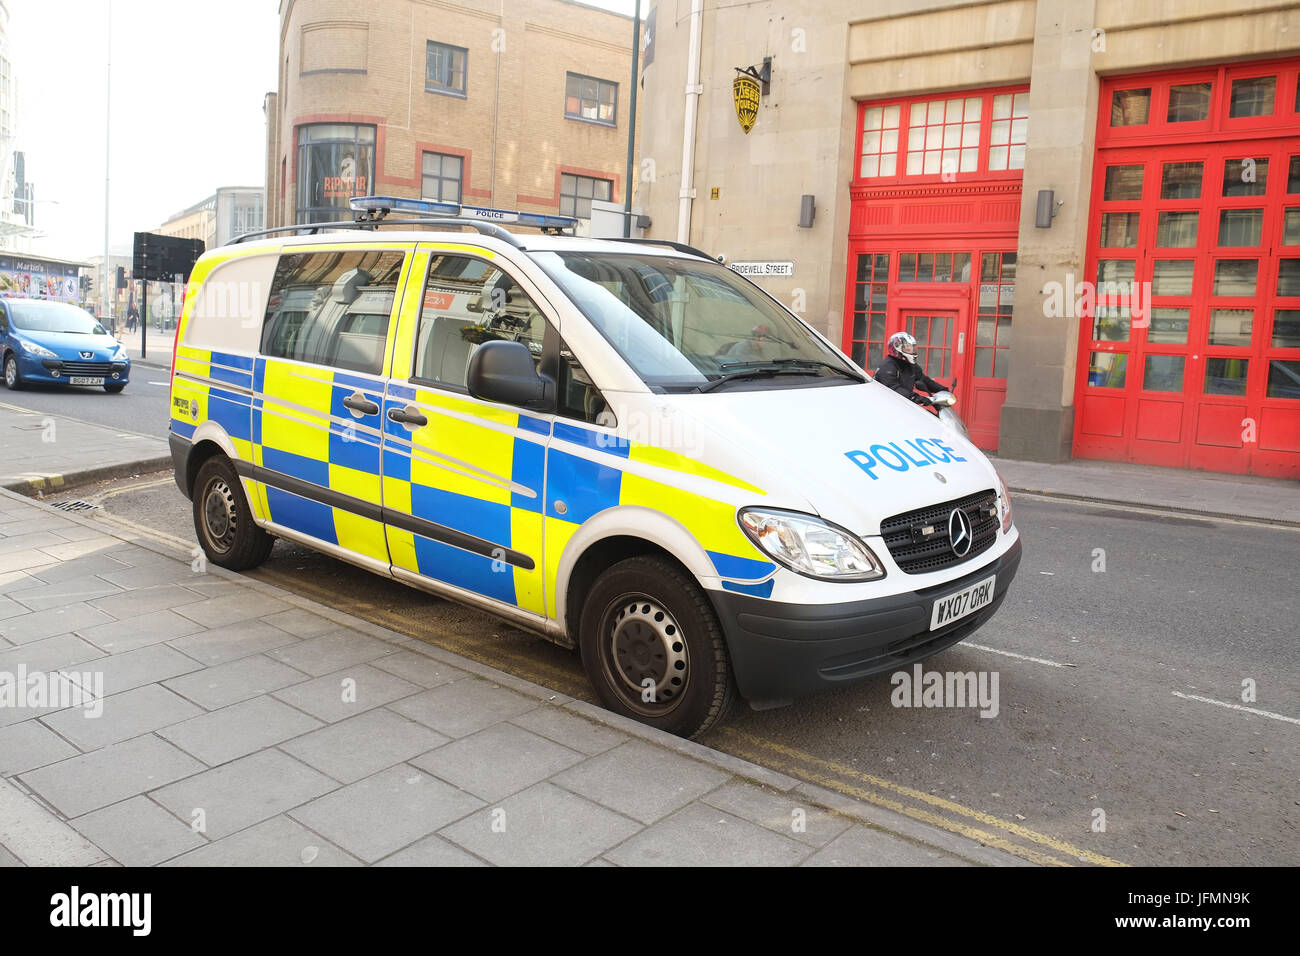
column 969, row 135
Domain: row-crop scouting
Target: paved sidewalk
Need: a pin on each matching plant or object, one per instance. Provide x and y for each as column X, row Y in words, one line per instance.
column 241, row 724
column 1200, row 492
column 46, row 453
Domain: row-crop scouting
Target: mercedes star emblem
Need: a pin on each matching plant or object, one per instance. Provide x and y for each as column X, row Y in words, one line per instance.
column 959, row 533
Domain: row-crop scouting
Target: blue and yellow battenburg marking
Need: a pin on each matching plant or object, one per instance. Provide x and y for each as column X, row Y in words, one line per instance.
column 475, row 470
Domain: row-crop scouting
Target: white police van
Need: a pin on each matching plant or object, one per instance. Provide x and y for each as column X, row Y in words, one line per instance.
column 621, row 445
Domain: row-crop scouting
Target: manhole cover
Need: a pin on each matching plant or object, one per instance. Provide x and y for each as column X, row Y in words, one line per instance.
column 77, row 505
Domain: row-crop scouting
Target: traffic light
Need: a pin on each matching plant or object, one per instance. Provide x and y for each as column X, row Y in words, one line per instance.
column 121, row 277
column 85, row 283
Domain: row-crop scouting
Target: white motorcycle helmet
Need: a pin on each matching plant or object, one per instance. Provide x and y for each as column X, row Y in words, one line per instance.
column 903, row 346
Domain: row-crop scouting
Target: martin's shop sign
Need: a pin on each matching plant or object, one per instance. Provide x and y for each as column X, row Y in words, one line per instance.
column 28, row 278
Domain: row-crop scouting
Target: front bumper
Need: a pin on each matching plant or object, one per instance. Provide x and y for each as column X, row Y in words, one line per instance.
column 55, row 371
column 780, row 651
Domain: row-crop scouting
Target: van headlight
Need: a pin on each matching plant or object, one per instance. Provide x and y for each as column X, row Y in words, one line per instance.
column 810, row 546
column 1004, row 502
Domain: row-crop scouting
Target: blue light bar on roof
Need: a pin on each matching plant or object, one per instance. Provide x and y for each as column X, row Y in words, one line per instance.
column 429, row 207
column 399, row 204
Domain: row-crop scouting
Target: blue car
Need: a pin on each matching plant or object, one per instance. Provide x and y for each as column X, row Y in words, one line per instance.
column 56, row 343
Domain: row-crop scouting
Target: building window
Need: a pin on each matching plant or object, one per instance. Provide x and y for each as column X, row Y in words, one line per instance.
column 1189, row 102
column 1130, row 107
column 869, row 310
column 879, row 141
column 590, row 99
column 971, row 135
column 444, row 69
column 934, row 267
column 1010, row 131
column 1252, row 96
column 577, row 192
column 993, row 325
column 943, row 136
column 335, row 163
column 442, row 177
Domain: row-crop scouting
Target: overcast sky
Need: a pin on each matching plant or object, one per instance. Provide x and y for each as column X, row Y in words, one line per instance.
column 188, row 81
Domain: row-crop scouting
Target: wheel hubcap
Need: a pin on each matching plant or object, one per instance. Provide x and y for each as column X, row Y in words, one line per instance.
column 647, row 654
column 219, row 514
column 11, row 372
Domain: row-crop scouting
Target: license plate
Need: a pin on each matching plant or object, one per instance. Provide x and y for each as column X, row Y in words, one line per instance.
column 83, row 380
column 954, row 607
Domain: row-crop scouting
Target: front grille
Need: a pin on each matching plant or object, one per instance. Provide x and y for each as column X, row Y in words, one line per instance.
column 95, row 369
column 917, row 553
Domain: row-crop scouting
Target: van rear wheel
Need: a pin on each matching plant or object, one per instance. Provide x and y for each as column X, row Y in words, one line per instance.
column 653, row 648
column 223, row 520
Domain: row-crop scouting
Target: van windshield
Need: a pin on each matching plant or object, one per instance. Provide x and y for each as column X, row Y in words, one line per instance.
column 688, row 324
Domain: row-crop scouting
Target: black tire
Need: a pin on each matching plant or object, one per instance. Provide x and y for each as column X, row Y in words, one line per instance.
column 113, row 389
column 223, row 520
column 646, row 617
column 13, row 377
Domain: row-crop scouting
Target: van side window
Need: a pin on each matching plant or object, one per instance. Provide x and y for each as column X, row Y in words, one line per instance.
column 332, row 308
column 467, row 302
column 579, row 397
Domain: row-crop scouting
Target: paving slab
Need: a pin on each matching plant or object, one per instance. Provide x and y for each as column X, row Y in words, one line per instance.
column 138, row 832
column 217, row 687
column 701, row 835
column 221, row 736
column 542, row 826
column 386, row 812
column 464, row 706
column 81, row 784
column 244, row 792
column 347, row 692
column 276, row 842
column 126, row 715
column 363, row 745
column 30, row 744
column 642, row 781
column 498, row 761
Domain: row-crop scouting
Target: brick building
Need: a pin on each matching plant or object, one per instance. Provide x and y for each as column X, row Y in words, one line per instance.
column 1162, row 140
column 518, row 104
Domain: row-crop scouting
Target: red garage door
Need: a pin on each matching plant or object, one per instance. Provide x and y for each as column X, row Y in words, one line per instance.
column 1190, row 308
column 932, row 239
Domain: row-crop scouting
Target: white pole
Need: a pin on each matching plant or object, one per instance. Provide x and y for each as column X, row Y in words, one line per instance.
column 107, row 307
column 693, row 90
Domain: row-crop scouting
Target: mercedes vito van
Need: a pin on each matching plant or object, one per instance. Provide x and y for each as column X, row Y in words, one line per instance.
column 621, row 445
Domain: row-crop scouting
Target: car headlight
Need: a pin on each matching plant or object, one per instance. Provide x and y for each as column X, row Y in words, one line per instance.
column 1004, row 502
column 34, row 349
column 810, row 546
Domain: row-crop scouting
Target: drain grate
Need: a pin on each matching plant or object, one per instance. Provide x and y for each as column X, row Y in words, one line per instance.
column 77, row 505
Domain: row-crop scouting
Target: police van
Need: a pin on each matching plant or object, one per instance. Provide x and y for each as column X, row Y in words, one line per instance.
column 619, row 444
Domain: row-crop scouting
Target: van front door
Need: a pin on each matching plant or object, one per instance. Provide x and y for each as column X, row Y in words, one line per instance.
column 463, row 478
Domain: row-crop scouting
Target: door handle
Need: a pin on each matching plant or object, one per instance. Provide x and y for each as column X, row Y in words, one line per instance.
column 410, row 415
column 361, row 405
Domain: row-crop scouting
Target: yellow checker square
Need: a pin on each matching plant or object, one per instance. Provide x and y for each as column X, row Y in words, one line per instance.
column 557, row 533
column 711, row 522
column 460, row 443
column 526, row 538
column 360, row 535
column 194, row 361
column 358, row 484
column 294, row 429
column 397, row 494
column 401, row 545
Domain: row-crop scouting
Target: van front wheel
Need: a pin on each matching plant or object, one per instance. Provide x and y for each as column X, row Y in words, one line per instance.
column 653, row 648
column 224, row 522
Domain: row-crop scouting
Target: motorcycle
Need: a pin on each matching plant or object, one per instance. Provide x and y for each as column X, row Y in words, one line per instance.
column 943, row 403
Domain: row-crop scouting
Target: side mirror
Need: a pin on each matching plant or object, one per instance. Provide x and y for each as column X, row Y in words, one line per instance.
column 505, row 372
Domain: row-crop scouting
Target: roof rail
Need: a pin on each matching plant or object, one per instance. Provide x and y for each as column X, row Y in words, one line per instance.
column 679, row 246
column 314, row 228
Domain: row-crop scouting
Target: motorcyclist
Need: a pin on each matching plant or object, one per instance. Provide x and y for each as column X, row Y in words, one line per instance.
column 899, row 372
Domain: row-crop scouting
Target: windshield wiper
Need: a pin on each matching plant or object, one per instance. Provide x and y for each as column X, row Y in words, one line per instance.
column 770, row 368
